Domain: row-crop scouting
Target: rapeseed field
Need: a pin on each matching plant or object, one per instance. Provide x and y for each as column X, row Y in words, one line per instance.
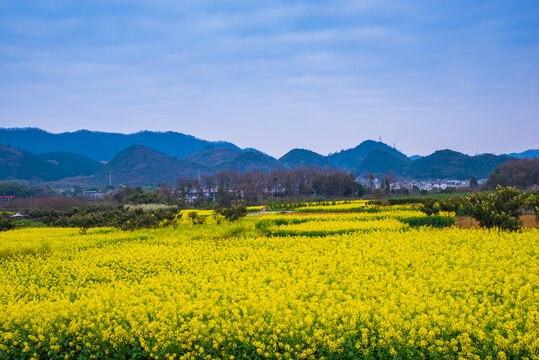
column 237, row 291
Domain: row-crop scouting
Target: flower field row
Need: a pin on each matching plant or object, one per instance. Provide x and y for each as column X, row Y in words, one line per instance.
column 355, row 216
column 323, row 228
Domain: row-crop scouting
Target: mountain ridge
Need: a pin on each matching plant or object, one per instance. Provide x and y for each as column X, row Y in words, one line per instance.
column 212, row 157
column 103, row 146
column 24, row 165
column 140, row 165
column 303, row 157
column 349, row 159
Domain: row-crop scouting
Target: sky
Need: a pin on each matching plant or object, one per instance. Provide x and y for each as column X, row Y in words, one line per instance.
column 277, row 75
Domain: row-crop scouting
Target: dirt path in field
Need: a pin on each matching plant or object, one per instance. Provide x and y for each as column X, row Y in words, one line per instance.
column 466, row 222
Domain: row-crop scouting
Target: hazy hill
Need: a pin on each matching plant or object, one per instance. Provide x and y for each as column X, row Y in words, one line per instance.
column 380, row 161
column 70, row 164
column 439, row 165
column 220, row 159
column 301, row 157
column 17, row 164
column 452, row 164
column 139, row 165
column 213, row 156
column 249, row 160
column 351, row 158
column 530, row 154
column 102, row 145
column 20, row 164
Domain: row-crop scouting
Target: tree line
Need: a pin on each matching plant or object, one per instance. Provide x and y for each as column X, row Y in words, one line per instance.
column 522, row 174
column 303, row 181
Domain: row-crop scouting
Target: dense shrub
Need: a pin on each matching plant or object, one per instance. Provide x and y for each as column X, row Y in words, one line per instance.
column 520, row 173
column 533, row 204
column 6, row 223
column 120, row 217
column 196, row 218
column 404, row 201
column 434, row 221
column 233, row 213
column 430, row 207
column 454, row 204
column 500, row 209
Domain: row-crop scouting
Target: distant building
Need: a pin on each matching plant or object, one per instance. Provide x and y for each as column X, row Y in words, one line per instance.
column 373, row 184
column 208, row 194
column 92, row 195
column 433, row 184
column 67, row 191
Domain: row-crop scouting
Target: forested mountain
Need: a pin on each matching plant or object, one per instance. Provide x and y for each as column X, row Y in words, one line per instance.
column 102, row 145
column 23, row 165
column 220, row 159
column 301, row 157
column 72, row 164
column 380, row 161
column 171, row 154
column 139, row 165
column 16, row 164
column 213, row 156
column 442, row 164
column 452, row 164
column 249, row 160
column 351, row 158
column 529, row 154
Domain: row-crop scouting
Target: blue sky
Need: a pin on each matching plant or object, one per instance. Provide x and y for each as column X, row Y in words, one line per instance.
column 274, row 75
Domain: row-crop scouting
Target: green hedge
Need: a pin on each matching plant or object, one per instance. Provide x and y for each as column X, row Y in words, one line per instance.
column 404, row 201
column 434, row 221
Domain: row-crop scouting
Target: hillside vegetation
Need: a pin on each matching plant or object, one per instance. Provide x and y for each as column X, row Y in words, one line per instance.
column 522, row 173
column 301, row 157
column 139, row 165
column 20, row 164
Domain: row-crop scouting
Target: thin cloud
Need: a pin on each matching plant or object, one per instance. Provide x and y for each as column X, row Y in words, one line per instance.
column 276, row 75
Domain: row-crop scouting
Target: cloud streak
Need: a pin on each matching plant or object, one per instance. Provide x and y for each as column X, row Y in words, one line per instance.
column 276, row 75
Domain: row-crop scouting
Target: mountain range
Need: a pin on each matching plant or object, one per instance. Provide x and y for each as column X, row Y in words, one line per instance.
column 102, row 146
column 530, row 154
column 149, row 158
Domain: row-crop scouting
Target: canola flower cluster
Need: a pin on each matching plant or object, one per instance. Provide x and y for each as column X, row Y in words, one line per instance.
column 323, row 228
column 336, row 206
column 198, row 212
column 399, row 213
column 192, row 293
